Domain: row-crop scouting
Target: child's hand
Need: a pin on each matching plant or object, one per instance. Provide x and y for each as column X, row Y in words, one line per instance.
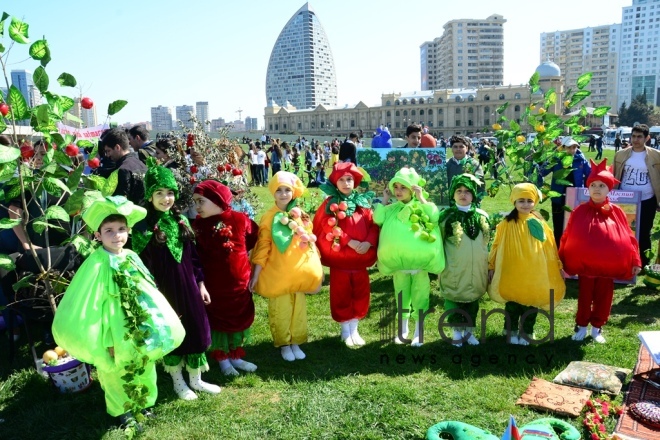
column 491, row 272
column 636, row 270
column 363, row 247
column 253, row 282
column 206, row 298
column 111, row 351
column 386, row 196
column 417, row 190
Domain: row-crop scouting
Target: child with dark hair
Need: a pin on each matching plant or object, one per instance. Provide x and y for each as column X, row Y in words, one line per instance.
column 113, row 316
column 166, row 246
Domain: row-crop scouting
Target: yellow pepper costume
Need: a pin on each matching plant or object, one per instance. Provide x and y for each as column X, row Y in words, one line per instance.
column 286, row 275
column 526, row 267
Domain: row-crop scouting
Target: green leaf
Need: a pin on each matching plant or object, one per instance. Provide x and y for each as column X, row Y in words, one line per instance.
column 502, row 108
column 39, row 49
column 67, row 80
column 567, row 208
column 17, row 104
column 5, row 16
column 601, row 111
column 553, row 194
column 42, row 116
column 584, row 80
column 8, row 154
column 26, row 281
column 74, row 204
column 514, row 125
column 116, row 106
column 3, row 125
column 83, row 245
column 40, row 226
column 12, row 192
column 57, row 138
column 7, row 170
column 550, row 97
column 73, row 118
column 40, row 78
column 562, row 174
column 111, row 184
column 6, row 262
column 66, row 103
column 46, row 59
column 18, row 31
column 57, row 213
column 74, row 178
column 53, row 186
column 536, row 229
column 534, row 80
column 61, row 157
column 7, row 223
column 578, row 96
column 583, row 111
column 84, row 143
column 545, row 214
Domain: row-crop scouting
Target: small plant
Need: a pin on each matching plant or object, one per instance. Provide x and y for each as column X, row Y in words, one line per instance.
column 598, row 412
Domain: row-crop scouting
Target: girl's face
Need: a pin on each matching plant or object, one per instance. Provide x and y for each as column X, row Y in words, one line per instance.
column 459, row 150
column 38, row 159
column 283, row 196
column 598, row 191
column 463, row 196
column 402, row 193
column 163, row 199
column 162, row 155
column 345, row 184
column 204, row 207
column 113, row 235
column 524, row 206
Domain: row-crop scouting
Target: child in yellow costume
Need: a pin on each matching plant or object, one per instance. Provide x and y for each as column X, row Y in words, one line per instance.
column 409, row 247
column 523, row 265
column 286, row 265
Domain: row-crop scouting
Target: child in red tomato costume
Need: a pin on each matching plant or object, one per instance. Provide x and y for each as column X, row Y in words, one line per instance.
column 347, row 240
column 598, row 246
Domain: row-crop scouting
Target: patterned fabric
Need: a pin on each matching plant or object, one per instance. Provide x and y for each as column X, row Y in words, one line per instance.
column 555, row 398
column 647, row 412
column 596, row 377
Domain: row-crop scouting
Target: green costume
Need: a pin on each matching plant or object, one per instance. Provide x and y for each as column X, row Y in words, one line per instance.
column 465, row 234
column 409, row 245
column 112, row 301
column 540, row 429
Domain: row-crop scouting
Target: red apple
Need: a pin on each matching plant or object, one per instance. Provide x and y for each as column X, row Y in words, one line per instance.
column 71, row 150
column 236, row 172
column 190, row 140
column 228, row 167
column 27, row 151
column 193, row 169
column 4, row 109
column 94, row 163
column 86, row 103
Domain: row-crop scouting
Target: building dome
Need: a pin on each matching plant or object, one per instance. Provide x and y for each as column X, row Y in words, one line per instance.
column 548, row 69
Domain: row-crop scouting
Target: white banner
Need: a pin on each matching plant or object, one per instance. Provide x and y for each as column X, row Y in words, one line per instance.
column 82, row 133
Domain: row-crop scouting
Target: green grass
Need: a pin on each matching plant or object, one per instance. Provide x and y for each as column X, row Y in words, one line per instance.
column 378, row 391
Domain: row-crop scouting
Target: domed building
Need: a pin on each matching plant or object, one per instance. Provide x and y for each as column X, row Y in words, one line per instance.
column 301, row 69
column 548, row 69
column 550, row 78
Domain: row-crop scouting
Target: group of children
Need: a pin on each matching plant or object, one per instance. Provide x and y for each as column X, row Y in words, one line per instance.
column 188, row 295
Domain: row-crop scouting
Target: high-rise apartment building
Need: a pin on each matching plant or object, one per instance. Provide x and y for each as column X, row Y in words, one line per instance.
column 161, row 118
column 594, row 50
column 87, row 116
column 639, row 68
column 470, row 53
column 251, row 124
column 217, row 124
column 183, row 113
column 202, row 112
column 301, row 69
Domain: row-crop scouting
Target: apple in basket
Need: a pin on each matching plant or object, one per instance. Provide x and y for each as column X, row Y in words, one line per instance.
column 51, row 357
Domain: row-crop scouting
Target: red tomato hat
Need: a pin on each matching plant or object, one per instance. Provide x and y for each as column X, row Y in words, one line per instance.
column 341, row 169
column 603, row 173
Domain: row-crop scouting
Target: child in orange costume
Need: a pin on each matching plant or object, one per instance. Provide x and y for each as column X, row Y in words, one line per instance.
column 286, row 265
column 599, row 246
column 348, row 244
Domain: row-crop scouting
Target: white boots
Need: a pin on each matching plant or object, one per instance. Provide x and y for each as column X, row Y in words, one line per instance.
column 292, row 352
column 596, row 334
column 196, row 383
column 350, row 335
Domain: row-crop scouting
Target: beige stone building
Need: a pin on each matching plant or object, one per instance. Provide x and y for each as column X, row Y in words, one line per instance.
column 469, row 54
column 444, row 112
column 589, row 49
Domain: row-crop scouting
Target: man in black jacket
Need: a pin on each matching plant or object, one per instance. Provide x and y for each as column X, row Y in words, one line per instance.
column 139, row 140
column 348, row 150
column 129, row 166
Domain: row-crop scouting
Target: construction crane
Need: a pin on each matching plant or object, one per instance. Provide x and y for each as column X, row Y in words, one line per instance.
column 239, row 111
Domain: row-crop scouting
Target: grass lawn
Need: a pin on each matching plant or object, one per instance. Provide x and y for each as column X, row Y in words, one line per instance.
column 378, row 391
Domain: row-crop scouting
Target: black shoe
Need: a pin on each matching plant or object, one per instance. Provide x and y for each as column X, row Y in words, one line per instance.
column 148, row 414
column 127, row 421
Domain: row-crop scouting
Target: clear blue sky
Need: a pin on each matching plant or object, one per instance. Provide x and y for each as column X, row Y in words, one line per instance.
column 166, row 52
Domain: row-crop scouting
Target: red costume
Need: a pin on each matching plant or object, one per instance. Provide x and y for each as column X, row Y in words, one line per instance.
column 598, row 246
column 226, row 267
column 349, row 280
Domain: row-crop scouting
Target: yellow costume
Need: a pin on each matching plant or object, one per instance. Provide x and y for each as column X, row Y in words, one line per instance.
column 286, row 275
column 526, row 268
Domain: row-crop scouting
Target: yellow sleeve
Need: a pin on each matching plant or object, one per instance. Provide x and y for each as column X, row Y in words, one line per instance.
column 492, row 256
column 261, row 250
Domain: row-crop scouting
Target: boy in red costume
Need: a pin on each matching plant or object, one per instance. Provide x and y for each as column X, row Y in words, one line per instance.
column 348, row 240
column 598, row 246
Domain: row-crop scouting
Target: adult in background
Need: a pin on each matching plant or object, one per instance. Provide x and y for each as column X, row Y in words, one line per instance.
column 130, row 168
column 638, row 169
column 617, row 143
column 348, row 150
column 413, row 136
column 578, row 177
column 275, row 158
column 599, row 148
column 138, row 138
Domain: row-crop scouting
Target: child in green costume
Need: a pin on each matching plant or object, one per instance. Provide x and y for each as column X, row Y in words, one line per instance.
column 465, row 234
column 112, row 315
column 409, row 248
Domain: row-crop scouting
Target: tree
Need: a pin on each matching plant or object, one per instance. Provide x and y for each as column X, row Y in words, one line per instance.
column 638, row 112
column 622, row 113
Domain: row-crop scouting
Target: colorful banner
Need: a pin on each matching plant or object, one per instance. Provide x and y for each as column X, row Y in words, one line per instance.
column 82, row 133
column 383, row 163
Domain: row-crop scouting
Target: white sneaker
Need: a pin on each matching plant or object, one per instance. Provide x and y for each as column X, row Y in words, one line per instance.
column 287, row 354
column 580, row 334
column 597, row 335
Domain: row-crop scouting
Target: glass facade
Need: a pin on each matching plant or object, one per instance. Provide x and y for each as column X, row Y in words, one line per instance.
column 301, row 70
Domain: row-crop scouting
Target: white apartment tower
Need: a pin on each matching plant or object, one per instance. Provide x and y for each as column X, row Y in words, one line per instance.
column 301, row 69
column 469, row 54
column 161, row 118
column 202, row 111
column 639, row 68
column 592, row 49
column 183, row 113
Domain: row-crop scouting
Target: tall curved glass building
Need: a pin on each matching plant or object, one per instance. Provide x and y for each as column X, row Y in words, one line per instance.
column 301, row 69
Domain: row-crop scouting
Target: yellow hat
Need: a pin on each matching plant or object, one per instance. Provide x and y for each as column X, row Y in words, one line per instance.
column 525, row 191
column 290, row 180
